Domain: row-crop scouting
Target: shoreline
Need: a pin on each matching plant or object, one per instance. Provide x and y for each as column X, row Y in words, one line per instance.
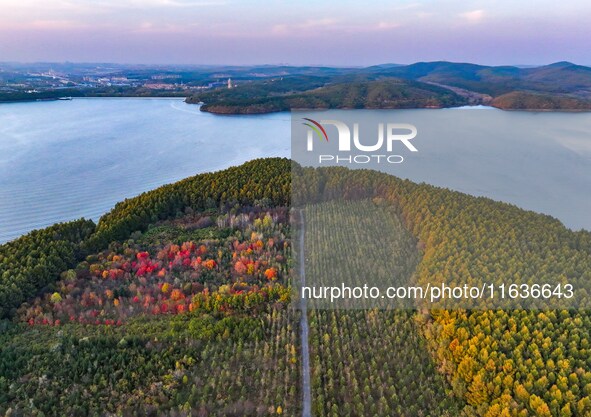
column 469, row 107
column 240, row 113
column 37, row 100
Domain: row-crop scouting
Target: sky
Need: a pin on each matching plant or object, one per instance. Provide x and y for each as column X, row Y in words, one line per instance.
column 302, row 32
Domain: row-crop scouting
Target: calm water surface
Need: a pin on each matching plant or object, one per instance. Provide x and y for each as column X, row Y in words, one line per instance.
column 63, row 160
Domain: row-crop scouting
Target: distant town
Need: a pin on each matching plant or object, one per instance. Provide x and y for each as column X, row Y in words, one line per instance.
column 55, row 80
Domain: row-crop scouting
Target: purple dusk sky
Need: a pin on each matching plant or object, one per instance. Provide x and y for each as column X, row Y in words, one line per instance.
column 330, row 32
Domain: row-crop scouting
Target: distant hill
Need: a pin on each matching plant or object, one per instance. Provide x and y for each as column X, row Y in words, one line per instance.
column 283, row 94
column 561, row 77
column 523, row 100
column 558, row 78
column 269, row 88
column 562, row 85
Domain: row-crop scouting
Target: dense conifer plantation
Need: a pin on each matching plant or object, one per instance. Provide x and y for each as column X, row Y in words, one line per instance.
column 178, row 303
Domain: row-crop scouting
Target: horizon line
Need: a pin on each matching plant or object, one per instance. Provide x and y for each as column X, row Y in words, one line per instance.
column 281, row 64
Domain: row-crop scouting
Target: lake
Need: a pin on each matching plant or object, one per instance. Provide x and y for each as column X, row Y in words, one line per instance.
column 62, row 160
column 539, row 161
